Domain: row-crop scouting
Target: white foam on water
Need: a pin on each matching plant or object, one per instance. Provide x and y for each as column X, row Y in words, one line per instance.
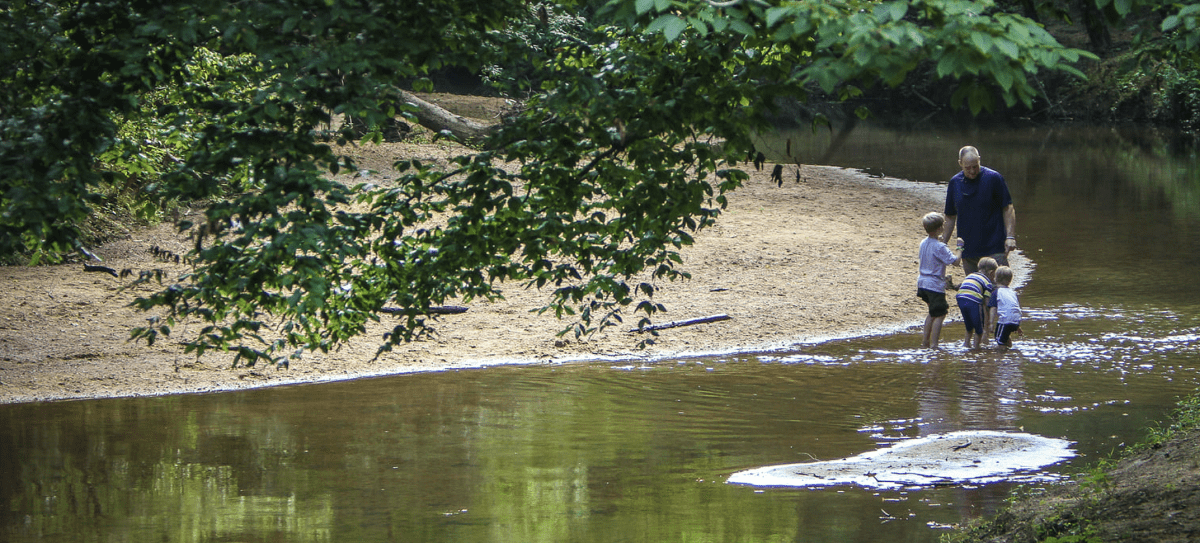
column 958, row 458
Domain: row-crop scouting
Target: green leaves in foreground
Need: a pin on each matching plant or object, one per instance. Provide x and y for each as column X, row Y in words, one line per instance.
column 590, row 192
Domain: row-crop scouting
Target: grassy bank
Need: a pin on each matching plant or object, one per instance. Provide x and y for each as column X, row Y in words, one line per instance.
column 1150, row 492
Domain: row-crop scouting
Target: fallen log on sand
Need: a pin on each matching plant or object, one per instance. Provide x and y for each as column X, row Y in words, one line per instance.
column 435, row 310
column 676, row 324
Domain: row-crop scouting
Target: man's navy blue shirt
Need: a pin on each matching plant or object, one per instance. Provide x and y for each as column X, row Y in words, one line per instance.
column 979, row 205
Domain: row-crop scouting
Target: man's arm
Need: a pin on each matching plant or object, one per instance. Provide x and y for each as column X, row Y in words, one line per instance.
column 1010, row 228
column 951, row 220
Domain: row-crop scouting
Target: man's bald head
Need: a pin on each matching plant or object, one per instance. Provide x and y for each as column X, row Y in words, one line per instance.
column 968, row 159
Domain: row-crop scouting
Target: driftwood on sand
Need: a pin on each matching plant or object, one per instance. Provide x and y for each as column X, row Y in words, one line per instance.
column 435, row 310
column 676, row 324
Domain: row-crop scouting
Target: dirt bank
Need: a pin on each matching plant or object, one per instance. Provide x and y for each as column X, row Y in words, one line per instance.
column 1151, row 495
column 831, row 255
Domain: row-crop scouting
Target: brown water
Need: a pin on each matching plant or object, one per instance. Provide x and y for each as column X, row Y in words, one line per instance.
column 602, row 452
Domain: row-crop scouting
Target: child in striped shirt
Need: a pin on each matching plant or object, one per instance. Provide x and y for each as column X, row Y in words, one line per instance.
column 972, row 301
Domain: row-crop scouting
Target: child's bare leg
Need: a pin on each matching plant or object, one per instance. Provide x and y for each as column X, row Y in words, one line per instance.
column 935, row 331
column 926, row 330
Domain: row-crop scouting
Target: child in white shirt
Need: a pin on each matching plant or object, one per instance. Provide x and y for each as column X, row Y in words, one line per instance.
column 1008, row 308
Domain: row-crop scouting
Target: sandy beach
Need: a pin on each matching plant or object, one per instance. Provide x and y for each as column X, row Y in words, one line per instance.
column 832, row 255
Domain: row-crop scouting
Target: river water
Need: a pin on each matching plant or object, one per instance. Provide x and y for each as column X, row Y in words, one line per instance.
column 1109, row 218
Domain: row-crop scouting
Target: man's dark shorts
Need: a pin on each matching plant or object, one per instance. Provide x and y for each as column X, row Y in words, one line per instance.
column 971, row 265
column 936, row 301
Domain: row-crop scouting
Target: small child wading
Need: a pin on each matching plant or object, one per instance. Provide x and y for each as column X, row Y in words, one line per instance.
column 931, row 283
column 972, row 299
column 1008, row 309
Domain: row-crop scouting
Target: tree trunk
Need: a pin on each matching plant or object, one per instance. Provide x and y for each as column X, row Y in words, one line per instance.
column 1096, row 25
column 1029, row 9
column 438, row 119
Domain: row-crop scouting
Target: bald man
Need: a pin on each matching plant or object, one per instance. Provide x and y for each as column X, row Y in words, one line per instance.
column 978, row 203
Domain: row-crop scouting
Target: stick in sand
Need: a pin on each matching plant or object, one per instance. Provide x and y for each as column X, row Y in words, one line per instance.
column 676, row 324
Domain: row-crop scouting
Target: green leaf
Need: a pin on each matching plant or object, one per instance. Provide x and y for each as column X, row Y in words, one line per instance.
column 802, row 25
column 890, row 11
column 643, row 6
column 1073, row 71
column 774, row 14
column 947, row 65
column 915, row 36
column 1009, row 48
column 674, row 27
column 982, row 41
column 742, row 27
column 1004, row 78
column 660, row 23
column 783, row 34
column 1170, row 23
column 290, row 23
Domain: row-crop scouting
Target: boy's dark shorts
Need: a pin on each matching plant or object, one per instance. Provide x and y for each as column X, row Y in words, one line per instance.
column 1003, row 331
column 938, row 307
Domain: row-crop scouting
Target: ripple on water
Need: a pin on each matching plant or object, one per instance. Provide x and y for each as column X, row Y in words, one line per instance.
column 1064, row 336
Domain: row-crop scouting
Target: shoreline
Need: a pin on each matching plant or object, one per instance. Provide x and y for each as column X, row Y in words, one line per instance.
column 792, row 266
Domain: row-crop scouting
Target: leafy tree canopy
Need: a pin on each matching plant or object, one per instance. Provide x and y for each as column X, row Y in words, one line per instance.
column 625, row 147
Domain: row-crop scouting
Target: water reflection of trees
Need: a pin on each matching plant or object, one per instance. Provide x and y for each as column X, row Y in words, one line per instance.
column 521, row 455
column 982, row 392
column 114, row 471
column 1153, row 166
